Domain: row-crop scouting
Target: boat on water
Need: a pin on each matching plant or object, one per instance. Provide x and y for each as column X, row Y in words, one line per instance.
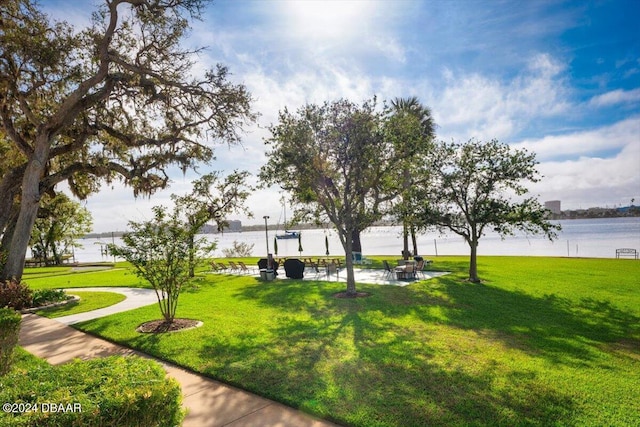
column 288, row 235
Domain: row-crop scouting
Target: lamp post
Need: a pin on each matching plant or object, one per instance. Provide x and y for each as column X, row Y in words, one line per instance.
column 266, row 232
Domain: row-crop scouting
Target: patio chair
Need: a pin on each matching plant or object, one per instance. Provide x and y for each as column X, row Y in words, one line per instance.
column 388, row 272
column 222, row 266
column 214, row 267
column 406, row 271
column 234, row 267
column 420, row 268
column 244, row 269
column 332, row 268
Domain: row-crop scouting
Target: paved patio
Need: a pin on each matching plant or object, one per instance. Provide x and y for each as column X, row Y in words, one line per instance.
column 371, row 276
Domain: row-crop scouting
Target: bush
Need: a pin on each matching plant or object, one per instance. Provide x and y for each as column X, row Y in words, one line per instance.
column 9, row 330
column 47, row 296
column 15, row 294
column 112, row 391
column 238, row 250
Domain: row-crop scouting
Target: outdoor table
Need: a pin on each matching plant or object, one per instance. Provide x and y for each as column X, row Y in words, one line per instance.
column 402, row 272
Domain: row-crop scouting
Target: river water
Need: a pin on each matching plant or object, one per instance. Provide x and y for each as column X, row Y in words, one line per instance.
column 594, row 238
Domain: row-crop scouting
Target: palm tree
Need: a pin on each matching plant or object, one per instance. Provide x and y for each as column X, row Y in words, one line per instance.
column 413, row 108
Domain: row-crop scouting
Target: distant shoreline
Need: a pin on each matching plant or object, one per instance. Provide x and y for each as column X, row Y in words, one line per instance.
column 592, row 213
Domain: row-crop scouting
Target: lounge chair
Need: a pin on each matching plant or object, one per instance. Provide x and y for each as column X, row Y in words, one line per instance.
column 244, row 269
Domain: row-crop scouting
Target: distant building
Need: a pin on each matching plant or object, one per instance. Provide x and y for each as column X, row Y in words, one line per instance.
column 553, row 206
column 234, row 225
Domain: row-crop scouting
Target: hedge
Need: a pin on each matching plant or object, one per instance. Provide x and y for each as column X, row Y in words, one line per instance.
column 112, row 391
column 9, row 331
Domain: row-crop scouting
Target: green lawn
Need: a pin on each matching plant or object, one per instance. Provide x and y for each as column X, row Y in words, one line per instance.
column 89, row 301
column 543, row 341
column 66, row 277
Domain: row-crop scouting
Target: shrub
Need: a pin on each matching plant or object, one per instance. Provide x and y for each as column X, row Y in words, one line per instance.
column 9, row 330
column 162, row 252
column 48, row 296
column 238, row 250
column 112, row 391
column 15, row 294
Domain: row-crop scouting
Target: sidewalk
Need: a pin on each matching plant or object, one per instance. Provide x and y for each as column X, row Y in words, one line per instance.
column 209, row 403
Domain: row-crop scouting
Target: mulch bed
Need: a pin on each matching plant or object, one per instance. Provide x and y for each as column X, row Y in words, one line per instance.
column 160, row 326
column 346, row 295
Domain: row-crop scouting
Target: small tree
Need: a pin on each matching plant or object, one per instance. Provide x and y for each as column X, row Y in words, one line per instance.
column 471, row 188
column 60, row 221
column 213, row 199
column 159, row 251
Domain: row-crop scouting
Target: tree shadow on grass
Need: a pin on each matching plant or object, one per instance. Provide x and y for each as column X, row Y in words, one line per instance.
column 359, row 368
column 359, row 360
column 558, row 329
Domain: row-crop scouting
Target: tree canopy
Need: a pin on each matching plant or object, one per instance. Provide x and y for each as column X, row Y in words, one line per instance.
column 338, row 165
column 475, row 186
column 411, row 125
column 116, row 100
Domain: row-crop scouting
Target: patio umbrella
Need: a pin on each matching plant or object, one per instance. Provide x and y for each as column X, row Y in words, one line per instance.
column 326, row 243
column 275, row 246
column 300, row 243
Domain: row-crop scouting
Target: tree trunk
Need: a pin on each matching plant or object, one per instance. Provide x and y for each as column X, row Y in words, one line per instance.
column 9, row 228
column 473, row 262
column 406, row 183
column 351, row 280
column 9, row 187
column 356, row 244
column 405, row 240
column 29, row 204
column 192, row 262
column 414, row 240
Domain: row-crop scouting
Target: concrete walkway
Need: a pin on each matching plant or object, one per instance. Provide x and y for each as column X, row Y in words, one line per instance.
column 209, row 403
column 136, row 297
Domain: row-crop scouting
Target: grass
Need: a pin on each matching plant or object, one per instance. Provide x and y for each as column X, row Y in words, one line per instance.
column 66, row 277
column 543, row 341
column 89, row 301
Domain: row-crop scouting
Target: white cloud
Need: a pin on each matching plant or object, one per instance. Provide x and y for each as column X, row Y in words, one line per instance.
column 475, row 105
column 615, row 97
column 592, row 181
column 616, row 136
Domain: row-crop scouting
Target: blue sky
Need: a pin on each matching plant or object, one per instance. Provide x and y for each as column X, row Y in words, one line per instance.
column 559, row 78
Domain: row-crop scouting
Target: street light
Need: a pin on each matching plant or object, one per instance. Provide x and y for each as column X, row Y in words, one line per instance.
column 266, row 232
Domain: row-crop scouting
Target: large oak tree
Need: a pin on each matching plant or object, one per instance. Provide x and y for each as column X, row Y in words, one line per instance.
column 116, row 100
